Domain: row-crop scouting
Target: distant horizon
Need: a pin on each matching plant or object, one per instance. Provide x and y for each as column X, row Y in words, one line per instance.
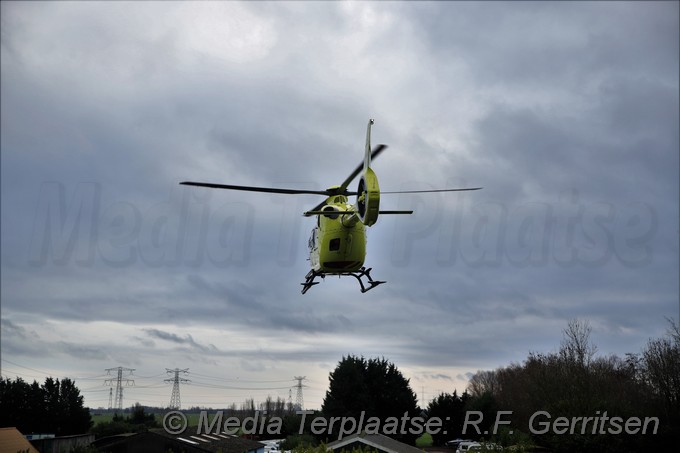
column 167, row 387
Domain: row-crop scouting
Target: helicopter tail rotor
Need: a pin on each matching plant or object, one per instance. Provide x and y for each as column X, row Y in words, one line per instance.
column 368, row 192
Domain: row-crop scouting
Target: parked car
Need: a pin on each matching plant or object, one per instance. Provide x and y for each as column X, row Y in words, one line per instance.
column 455, row 442
column 484, row 446
column 467, row 445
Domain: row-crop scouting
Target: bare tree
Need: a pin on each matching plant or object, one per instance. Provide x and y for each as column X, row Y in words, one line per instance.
column 577, row 348
column 662, row 370
column 483, row 382
column 248, row 406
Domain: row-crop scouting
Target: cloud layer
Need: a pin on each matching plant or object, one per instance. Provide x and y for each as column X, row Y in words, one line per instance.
column 566, row 114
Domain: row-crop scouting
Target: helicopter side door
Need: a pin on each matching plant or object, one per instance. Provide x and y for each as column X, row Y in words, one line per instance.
column 313, row 245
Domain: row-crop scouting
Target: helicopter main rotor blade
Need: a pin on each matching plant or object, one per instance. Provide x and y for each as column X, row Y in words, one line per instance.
column 343, row 213
column 256, row 189
column 315, row 209
column 434, row 190
column 375, row 153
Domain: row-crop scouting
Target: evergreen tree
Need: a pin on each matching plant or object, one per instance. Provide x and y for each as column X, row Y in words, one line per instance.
column 56, row 407
column 375, row 387
column 450, row 409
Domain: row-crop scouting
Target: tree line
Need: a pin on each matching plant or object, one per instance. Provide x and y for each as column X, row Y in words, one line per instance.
column 55, row 407
column 571, row 383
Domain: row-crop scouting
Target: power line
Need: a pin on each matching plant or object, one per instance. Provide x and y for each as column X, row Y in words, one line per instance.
column 246, row 381
column 149, row 377
column 230, row 387
column 49, row 374
column 32, row 369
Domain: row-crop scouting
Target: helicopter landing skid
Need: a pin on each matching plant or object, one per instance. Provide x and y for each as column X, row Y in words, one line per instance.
column 363, row 272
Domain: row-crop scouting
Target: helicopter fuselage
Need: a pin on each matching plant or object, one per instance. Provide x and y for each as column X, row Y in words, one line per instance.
column 338, row 242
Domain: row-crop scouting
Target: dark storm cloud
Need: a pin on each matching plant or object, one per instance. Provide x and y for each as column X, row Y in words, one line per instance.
column 465, row 377
column 523, row 43
column 544, row 153
column 81, row 351
column 19, row 340
column 22, row 341
column 441, row 376
column 186, row 340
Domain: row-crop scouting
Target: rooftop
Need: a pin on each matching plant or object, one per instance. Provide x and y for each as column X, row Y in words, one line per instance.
column 377, row 441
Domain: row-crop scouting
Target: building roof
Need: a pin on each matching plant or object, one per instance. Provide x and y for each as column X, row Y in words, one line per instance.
column 377, row 441
column 189, row 441
column 12, row 440
column 212, row 442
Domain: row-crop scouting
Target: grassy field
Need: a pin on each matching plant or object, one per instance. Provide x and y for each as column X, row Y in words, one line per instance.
column 192, row 418
column 424, row 441
column 101, row 418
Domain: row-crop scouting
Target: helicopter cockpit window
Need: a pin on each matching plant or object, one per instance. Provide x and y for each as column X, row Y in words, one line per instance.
column 334, row 245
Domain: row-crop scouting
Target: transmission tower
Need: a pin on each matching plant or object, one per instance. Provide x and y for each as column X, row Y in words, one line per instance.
column 118, row 403
column 174, row 399
column 299, row 402
column 111, row 398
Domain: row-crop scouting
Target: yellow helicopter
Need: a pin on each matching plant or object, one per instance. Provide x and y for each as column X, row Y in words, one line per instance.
column 337, row 245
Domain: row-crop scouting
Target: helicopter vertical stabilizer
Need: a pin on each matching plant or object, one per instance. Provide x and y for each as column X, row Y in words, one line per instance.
column 368, row 192
column 367, row 153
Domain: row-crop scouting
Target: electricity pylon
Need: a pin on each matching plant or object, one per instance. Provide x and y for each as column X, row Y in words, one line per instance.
column 118, row 403
column 299, row 402
column 175, row 402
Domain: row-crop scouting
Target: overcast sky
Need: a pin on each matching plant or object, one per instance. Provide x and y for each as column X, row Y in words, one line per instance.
column 566, row 114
